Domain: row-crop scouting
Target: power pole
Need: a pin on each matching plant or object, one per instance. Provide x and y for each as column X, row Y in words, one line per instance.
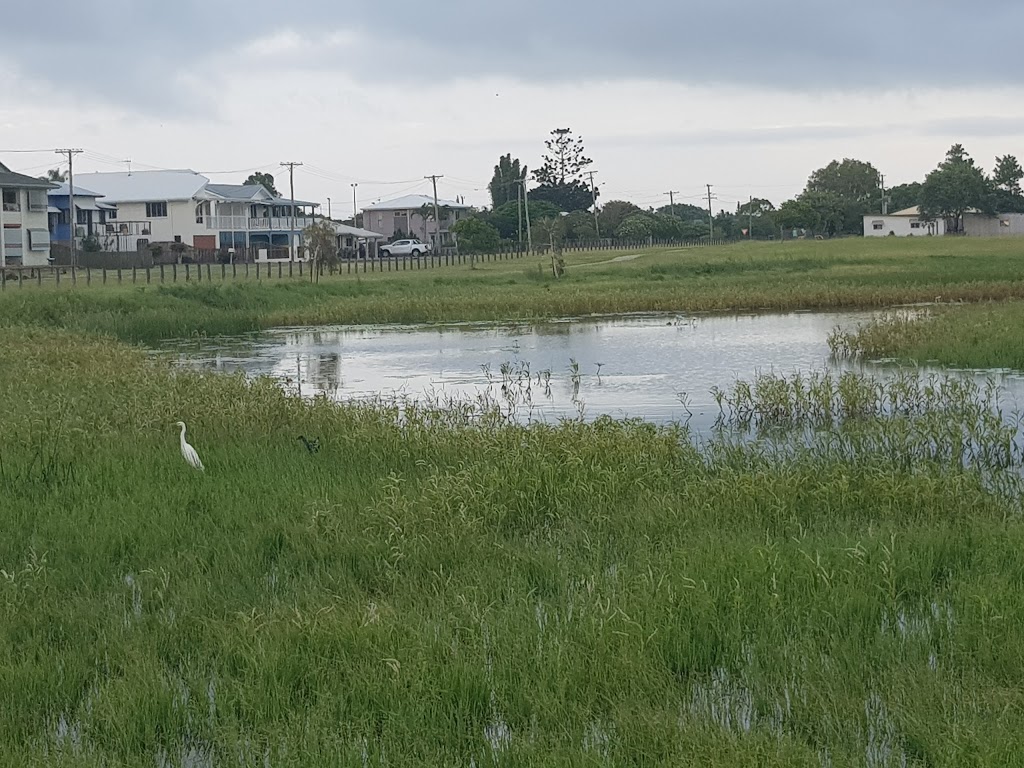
column 672, row 201
column 291, row 181
column 519, row 211
column 437, row 220
column 526, row 208
column 72, row 213
column 354, row 214
column 750, row 217
column 329, row 217
column 593, row 195
column 885, row 201
column 711, row 215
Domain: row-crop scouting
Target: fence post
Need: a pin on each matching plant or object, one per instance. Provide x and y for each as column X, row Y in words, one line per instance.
column 174, row 272
column 74, row 276
column 161, row 274
column 188, row 272
column 56, row 273
column 300, row 268
column 280, row 269
column 290, row 265
column 223, row 272
column 134, row 275
column 104, row 275
column 39, row 277
column 234, row 270
column 247, row 270
column 149, row 275
column 208, row 272
column 21, row 278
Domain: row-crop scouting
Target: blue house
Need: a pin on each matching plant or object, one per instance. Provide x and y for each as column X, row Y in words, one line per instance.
column 91, row 215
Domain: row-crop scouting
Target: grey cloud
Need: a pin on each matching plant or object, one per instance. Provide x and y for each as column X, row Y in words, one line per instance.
column 138, row 54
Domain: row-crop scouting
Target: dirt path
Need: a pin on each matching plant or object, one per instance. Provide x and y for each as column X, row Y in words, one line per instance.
column 617, row 259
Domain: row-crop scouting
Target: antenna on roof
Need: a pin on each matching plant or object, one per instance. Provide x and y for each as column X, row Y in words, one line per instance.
column 128, row 162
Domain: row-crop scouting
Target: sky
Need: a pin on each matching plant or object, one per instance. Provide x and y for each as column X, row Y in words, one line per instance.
column 750, row 97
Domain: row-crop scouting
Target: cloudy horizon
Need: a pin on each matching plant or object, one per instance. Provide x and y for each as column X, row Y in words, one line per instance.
column 667, row 95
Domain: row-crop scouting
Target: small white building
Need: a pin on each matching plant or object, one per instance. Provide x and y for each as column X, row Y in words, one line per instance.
column 905, row 223
column 24, row 223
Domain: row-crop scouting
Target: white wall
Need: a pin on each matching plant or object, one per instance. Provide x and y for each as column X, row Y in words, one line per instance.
column 180, row 221
column 16, row 233
column 1001, row 225
column 902, row 226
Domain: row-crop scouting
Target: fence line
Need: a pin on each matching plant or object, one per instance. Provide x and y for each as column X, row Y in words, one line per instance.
column 278, row 270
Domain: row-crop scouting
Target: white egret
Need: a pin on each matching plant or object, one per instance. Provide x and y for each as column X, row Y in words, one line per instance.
column 188, row 452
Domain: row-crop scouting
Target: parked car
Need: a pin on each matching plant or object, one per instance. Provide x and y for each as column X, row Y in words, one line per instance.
column 408, row 247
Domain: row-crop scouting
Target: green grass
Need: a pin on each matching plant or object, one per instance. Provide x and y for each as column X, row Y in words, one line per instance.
column 772, row 276
column 430, row 592
column 967, row 336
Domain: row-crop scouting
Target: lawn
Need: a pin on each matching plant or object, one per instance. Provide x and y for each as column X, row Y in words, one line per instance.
column 770, row 276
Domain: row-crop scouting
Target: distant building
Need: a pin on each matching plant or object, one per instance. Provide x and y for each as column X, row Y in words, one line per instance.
column 905, row 223
column 412, row 216
column 999, row 225
column 184, row 207
column 91, row 217
column 24, row 228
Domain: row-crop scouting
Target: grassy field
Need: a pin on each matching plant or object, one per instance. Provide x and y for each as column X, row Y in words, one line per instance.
column 964, row 336
column 434, row 592
column 772, row 276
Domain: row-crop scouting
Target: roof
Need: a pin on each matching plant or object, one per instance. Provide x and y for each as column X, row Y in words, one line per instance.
column 412, row 202
column 911, row 211
column 239, row 192
column 285, row 201
column 63, row 190
column 9, row 178
column 145, row 186
column 345, row 229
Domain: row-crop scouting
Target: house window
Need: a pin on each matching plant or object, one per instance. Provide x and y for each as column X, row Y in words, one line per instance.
column 915, row 225
column 11, row 200
column 81, row 217
column 112, row 214
column 878, row 225
column 38, row 239
column 401, row 221
column 37, row 200
column 156, row 210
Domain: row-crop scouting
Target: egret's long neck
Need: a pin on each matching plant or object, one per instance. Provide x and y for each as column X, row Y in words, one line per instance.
column 182, row 434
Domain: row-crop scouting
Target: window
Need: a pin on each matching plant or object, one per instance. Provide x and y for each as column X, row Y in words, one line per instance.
column 37, row 200
column 878, row 225
column 156, row 210
column 38, row 239
column 11, row 200
column 112, row 214
column 81, row 217
column 915, row 225
column 177, row 238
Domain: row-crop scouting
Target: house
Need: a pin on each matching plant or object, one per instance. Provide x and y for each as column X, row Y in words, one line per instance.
column 412, row 216
column 352, row 240
column 1000, row 225
column 91, row 216
column 24, row 229
column 182, row 206
column 905, row 223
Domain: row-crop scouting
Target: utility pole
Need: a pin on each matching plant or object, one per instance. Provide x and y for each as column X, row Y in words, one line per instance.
column 885, row 201
column 519, row 211
column 72, row 212
column 354, row 204
column 672, row 201
column 526, row 207
column 593, row 195
column 291, row 181
column 750, row 218
column 437, row 220
column 711, row 215
column 329, row 217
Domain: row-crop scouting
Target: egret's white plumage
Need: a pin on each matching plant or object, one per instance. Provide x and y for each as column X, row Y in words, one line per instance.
column 188, row 453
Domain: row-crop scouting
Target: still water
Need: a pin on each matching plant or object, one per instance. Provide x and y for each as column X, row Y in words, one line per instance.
column 661, row 368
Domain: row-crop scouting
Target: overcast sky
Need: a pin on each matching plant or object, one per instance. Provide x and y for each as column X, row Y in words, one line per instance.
column 668, row 94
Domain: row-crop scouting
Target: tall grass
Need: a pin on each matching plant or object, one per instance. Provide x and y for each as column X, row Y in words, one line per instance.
column 966, row 336
column 779, row 276
column 436, row 589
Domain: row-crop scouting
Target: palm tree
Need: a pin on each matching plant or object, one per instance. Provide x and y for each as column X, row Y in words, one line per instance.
column 55, row 175
column 426, row 213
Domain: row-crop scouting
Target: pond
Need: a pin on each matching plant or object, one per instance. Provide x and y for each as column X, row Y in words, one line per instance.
column 662, row 368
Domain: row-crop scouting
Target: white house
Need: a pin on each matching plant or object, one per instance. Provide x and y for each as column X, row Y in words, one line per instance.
column 412, row 216
column 905, row 223
column 24, row 224
column 183, row 206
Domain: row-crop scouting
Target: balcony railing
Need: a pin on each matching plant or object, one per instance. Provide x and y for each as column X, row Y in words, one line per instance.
column 247, row 224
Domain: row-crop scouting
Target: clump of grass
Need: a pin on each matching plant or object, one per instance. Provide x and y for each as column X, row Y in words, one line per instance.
column 978, row 336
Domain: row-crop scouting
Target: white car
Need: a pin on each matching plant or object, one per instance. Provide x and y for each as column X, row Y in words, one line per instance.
column 411, row 247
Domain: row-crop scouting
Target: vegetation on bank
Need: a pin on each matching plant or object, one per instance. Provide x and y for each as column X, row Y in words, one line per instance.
column 964, row 336
column 770, row 276
column 439, row 589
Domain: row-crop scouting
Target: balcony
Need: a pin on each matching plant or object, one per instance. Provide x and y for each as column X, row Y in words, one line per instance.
column 247, row 224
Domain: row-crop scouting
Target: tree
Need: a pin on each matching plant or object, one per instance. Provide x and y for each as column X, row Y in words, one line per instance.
column 1006, row 180
column 579, row 225
column 321, row 246
column 506, row 217
column 573, row 196
column 266, row 180
column 955, row 187
column 507, row 174
column 475, row 236
column 797, row 213
column 636, row 226
column 845, row 190
column 561, row 173
column 613, row 213
column 55, row 175
column 904, row 196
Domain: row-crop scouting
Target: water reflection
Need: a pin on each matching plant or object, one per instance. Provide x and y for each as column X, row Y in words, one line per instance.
column 659, row 367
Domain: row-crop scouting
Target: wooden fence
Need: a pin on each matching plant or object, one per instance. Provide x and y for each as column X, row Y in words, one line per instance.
column 19, row 277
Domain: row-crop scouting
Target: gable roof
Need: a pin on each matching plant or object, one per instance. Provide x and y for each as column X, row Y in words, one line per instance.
column 412, row 202
column 9, row 178
column 239, row 192
column 145, row 186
